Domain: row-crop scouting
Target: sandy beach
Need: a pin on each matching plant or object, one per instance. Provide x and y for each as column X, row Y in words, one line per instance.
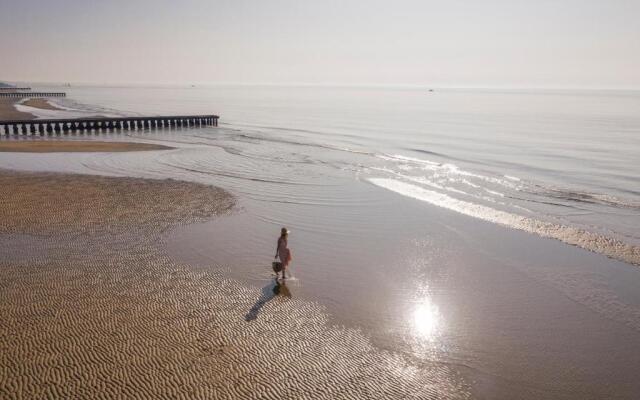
column 40, row 103
column 92, row 307
column 72, row 146
column 9, row 112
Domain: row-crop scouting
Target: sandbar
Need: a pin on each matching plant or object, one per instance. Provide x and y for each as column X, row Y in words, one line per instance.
column 8, row 110
column 70, row 146
column 40, row 103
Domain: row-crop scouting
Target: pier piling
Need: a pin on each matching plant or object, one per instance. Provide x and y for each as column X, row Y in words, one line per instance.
column 57, row 126
column 19, row 95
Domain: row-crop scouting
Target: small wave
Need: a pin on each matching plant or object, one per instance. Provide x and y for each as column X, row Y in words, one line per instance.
column 448, row 170
column 493, row 192
column 69, row 104
column 300, row 143
column 64, row 109
column 590, row 198
column 281, row 128
column 597, row 243
column 397, row 157
column 433, row 153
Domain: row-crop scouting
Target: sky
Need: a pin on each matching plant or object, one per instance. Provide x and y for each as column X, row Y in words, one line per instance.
column 510, row 43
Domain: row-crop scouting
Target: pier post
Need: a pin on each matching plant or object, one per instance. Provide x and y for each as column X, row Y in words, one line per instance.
column 75, row 125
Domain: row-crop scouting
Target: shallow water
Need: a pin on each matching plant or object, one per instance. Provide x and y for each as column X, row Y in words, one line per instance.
column 417, row 216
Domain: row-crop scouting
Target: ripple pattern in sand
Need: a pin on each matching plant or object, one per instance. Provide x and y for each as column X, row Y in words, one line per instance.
column 91, row 308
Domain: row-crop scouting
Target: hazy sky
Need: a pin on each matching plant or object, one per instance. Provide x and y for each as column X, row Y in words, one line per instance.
column 592, row 43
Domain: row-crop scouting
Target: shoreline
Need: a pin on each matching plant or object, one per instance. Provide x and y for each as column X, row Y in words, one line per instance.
column 39, row 145
column 75, row 146
column 87, row 290
column 8, row 110
column 41, row 103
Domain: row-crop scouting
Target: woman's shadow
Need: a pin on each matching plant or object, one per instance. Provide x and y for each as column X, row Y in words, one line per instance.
column 268, row 293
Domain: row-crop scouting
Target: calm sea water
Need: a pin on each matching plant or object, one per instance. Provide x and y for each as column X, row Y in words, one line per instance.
column 495, row 231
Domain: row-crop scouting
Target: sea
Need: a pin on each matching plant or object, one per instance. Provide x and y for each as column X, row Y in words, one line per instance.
column 496, row 231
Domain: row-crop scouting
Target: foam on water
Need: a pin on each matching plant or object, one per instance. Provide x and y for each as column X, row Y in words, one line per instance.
column 578, row 237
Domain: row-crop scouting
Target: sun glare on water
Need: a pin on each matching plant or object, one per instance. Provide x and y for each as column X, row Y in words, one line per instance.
column 426, row 320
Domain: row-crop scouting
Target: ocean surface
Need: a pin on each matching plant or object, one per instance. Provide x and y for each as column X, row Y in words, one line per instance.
column 494, row 231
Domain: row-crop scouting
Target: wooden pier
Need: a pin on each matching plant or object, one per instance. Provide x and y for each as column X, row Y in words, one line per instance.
column 31, row 94
column 80, row 125
column 9, row 88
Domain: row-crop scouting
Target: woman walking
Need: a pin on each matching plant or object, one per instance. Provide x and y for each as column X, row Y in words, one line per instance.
column 283, row 252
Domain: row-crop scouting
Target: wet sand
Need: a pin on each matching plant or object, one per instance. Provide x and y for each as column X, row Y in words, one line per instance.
column 92, row 307
column 9, row 112
column 40, row 103
column 49, row 146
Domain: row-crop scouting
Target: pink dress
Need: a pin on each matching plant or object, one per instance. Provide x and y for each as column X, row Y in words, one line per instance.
column 284, row 254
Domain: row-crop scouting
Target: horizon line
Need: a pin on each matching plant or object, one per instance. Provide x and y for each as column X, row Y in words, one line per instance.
column 440, row 86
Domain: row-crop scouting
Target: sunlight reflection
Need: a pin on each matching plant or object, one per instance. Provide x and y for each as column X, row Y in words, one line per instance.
column 426, row 319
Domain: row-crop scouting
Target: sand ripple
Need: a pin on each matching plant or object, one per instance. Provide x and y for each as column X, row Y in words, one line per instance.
column 92, row 308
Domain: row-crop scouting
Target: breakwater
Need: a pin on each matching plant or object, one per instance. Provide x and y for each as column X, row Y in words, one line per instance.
column 20, row 95
column 80, row 125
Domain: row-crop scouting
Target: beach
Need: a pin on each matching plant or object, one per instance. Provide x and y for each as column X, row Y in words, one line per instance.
column 9, row 112
column 40, row 103
column 456, row 187
column 51, row 146
column 148, row 272
column 93, row 308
